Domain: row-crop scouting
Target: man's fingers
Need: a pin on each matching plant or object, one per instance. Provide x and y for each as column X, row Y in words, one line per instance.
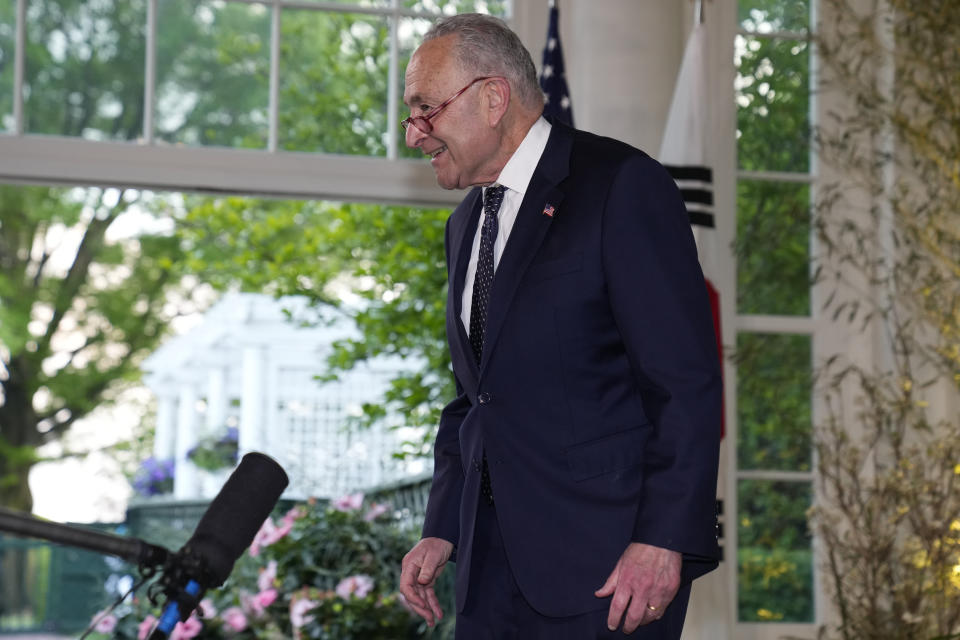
column 618, row 606
column 418, row 572
column 608, row 586
column 640, row 614
column 418, row 597
column 434, row 604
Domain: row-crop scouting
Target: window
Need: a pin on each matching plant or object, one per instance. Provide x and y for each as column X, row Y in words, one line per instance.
column 774, row 313
column 186, row 90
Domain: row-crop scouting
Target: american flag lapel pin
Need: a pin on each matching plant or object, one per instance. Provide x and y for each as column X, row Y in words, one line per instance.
column 549, row 210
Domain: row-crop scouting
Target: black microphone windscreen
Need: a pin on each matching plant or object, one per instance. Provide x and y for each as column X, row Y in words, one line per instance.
column 236, row 514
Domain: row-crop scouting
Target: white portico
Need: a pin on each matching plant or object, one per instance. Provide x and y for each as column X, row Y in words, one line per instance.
column 249, row 366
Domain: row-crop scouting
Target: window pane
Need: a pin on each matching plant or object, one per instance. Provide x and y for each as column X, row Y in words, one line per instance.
column 359, row 3
column 773, row 401
column 764, row 16
column 773, row 102
column 773, row 248
column 410, row 35
column 499, row 8
column 775, row 559
column 333, row 83
column 213, row 73
column 7, row 35
column 84, row 68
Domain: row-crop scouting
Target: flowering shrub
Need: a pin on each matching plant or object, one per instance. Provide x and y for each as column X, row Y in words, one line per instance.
column 216, row 452
column 154, row 477
column 317, row 572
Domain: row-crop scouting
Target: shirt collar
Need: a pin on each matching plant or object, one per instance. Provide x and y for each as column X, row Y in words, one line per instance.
column 518, row 171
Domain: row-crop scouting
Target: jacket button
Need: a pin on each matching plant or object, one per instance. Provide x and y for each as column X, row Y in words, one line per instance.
column 484, row 398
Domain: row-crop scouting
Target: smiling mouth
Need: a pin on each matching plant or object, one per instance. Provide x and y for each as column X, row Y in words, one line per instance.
column 437, row 152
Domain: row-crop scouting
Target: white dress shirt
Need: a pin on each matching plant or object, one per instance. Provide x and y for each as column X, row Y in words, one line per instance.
column 515, row 177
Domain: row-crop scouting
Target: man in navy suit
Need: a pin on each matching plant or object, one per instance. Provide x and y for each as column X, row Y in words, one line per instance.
column 575, row 471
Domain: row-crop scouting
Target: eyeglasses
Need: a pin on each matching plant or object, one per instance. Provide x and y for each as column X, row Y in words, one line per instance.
column 423, row 122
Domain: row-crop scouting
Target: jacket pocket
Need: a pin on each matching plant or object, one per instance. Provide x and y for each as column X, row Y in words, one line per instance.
column 555, row 267
column 607, row 454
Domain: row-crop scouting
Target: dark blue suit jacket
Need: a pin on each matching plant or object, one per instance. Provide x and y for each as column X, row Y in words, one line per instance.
column 598, row 397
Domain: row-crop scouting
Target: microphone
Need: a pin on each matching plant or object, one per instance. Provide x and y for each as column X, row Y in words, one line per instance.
column 225, row 531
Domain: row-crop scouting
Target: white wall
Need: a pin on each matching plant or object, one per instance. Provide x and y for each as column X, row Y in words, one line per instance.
column 621, row 57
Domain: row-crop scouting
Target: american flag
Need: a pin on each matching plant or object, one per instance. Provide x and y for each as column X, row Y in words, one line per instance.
column 552, row 78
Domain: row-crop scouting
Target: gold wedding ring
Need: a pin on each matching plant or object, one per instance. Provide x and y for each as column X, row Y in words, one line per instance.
column 652, row 608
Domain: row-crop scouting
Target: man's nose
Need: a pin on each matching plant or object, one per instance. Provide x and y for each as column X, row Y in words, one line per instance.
column 414, row 137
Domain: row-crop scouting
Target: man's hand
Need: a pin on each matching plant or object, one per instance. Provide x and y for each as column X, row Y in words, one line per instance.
column 643, row 583
column 419, row 571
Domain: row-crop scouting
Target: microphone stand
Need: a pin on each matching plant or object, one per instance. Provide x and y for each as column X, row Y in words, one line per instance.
column 146, row 556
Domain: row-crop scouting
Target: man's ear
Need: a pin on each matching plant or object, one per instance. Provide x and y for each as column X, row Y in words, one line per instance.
column 497, row 94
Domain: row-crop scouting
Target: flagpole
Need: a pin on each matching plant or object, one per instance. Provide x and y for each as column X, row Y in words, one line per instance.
column 699, row 12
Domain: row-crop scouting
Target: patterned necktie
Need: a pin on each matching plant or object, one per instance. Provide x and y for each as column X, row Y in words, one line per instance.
column 483, row 281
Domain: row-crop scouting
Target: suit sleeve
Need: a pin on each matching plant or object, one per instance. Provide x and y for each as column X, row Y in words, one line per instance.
column 659, row 300
column 442, row 519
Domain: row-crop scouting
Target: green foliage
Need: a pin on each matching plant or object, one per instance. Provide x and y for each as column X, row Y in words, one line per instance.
column 773, row 248
column 775, row 562
column 774, row 15
column 773, row 123
column 215, row 452
column 774, row 392
column 390, row 260
column 80, row 306
column 84, row 68
column 213, row 62
column 776, row 585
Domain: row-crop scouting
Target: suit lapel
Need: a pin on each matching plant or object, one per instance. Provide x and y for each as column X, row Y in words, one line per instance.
column 462, row 235
column 533, row 220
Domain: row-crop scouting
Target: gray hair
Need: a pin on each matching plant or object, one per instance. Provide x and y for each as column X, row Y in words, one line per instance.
column 487, row 46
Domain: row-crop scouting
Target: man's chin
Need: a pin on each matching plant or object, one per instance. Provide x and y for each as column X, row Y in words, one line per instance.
column 448, row 183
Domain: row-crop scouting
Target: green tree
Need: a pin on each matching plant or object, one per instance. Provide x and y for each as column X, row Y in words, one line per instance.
column 78, row 311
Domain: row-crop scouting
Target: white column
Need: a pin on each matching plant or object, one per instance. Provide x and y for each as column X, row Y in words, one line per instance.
column 216, row 400
column 252, row 399
column 185, row 482
column 165, row 434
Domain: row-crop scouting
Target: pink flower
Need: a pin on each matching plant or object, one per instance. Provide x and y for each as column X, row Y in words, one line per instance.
column 268, row 534
column 295, row 513
column 234, row 619
column 284, row 528
column 106, row 622
column 257, row 604
column 267, row 576
column 265, row 598
column 298, row 610
column 207, row 609
column 187, row 630
column 349, row 502
column 376, row 510
column 358, row 585
column 266, row 529
column 146, row 627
